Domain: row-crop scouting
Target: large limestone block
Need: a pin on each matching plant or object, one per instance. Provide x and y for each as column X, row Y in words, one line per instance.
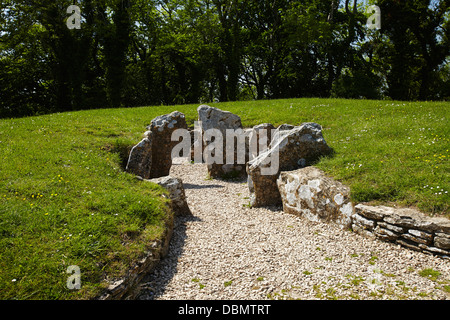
column 290, row 150
column 308, row 192
column 140, row 158
column 214, row 118
column 214, row 123
column 161, row 129
column 152, row 157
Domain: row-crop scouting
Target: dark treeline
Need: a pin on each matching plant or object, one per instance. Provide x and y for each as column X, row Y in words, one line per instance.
column 151, row 52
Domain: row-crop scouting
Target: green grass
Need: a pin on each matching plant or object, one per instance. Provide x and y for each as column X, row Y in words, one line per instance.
column 386, row 151
column 430, row 274
column 65, row 200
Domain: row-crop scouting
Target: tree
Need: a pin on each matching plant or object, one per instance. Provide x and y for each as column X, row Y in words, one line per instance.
column 150, row 52
column 416, row 45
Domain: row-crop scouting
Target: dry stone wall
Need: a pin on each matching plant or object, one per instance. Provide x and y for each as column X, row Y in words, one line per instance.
column 406, row 227
column 309, row 193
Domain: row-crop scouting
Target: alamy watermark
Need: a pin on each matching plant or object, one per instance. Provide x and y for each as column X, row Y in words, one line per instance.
column 214, row 146
column 74, row 281
column 374, row 21
column 74, row 21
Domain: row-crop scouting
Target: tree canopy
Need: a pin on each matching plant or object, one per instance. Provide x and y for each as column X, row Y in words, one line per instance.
column 151, row 52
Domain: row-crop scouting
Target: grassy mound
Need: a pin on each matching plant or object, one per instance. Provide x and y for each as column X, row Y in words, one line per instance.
column 65, row 199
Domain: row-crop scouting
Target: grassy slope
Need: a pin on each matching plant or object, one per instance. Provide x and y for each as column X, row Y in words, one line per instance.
column 64, row 199
column 385, row 151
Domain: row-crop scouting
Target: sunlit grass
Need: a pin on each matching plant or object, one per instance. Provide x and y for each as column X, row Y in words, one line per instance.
column 65, row 200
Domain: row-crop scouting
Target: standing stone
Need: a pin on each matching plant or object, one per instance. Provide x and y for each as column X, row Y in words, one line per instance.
column 294, row 149
column 162, row 129
column 152, row 157
column 260, row 139
column 215, row 119
column 140, row 158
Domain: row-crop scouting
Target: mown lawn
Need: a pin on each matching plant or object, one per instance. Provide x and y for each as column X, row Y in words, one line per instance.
column 65, row 200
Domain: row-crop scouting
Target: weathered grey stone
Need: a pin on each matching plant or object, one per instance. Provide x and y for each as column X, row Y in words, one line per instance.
column 176, row 193
column 213, row 118
column 442, row 241
column 373, row 213
column 362, row 231
column 310, row 193
column 443, row 235
column 152, row 157
column 413, row 219
column 397, row 220
column 260, row 139
column 408, row 244
column 434, row 250
column 391, row 227
column 299, row 147
column 363, row 222
column 140, row 158
column 421, row 234
column 161, row 129
column 385, row 234
column 410, row 237
column 407, row 227
column 442, row 225
column 280, row 132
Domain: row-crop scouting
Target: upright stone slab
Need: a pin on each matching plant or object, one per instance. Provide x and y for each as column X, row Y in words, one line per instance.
column 162, row 129
column 291, row 150
column 308, row 192
column 152, row 157
column 140, row 158
column 216, row 120
column 260, row 139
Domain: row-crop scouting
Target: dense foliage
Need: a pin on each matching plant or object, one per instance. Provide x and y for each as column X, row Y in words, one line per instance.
column 152, row 52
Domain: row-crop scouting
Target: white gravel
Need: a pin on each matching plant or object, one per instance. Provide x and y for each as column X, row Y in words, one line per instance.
column 228, row 251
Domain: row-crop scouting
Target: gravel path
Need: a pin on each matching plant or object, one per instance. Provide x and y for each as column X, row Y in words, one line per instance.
column 228, row 251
